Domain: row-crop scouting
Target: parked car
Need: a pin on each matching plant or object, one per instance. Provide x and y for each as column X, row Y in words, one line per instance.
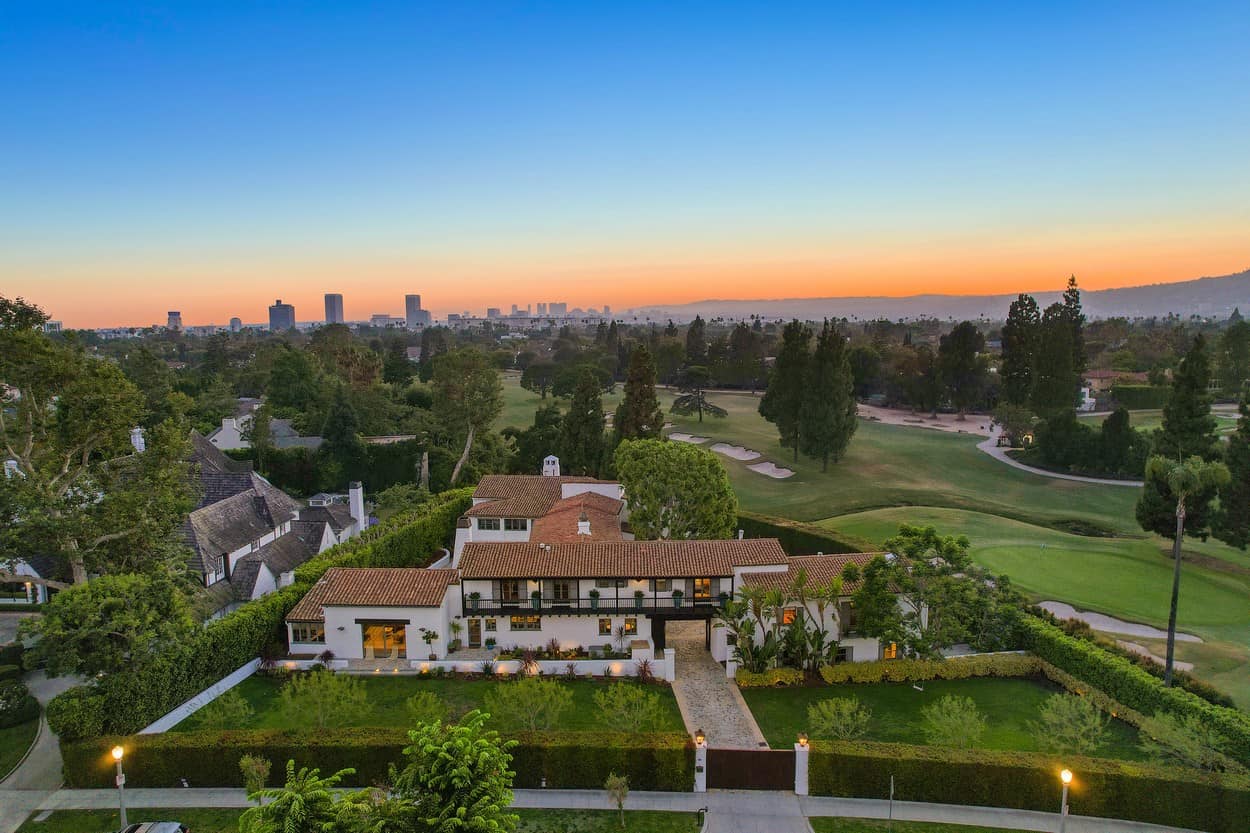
column 156, row 827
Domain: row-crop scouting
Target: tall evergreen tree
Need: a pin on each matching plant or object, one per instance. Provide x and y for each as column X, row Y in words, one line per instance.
column 1188, row 426
column 581, row 436
column 1055, row 381
column 1232, row 521
column 827, row 409
column 1021, row 335
column 1075, row 316
column 639, row 417
column 782, row 401
column 1234, row 358
column 962, row 366
column 696, row 341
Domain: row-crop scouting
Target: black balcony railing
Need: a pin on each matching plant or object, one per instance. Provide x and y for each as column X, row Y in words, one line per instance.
column 590, row 606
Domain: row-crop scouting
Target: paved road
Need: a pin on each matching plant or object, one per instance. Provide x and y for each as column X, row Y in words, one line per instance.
column 990, row 446
column 708, row 699
column 741, row 811
column 39, row 776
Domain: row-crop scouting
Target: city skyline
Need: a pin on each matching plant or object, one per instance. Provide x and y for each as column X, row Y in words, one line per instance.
column 650, row 156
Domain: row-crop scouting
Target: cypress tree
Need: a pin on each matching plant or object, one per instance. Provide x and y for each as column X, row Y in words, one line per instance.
column 639, row 417
column 782, row 401
column 1020, row 343
column 1188, row 427
column 696, row 341
column 1232, row 522
column 827, row 409
column 581, row 435
column 1055, row 380
column 1075, row 316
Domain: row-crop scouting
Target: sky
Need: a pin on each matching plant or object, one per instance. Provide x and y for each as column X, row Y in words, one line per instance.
column 212, row 157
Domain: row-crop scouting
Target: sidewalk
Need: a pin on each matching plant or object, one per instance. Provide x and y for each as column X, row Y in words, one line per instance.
column 745, row 811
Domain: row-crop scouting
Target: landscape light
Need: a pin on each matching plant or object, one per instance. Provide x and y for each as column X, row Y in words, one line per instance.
column 803, row 739
column 1066, row 776
column 699, row 738
column 118, row 752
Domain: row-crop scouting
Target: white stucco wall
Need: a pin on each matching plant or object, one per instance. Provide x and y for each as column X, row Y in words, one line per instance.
column 571, row 631
column 612, row 490
column 35, row 593
column 345, row 638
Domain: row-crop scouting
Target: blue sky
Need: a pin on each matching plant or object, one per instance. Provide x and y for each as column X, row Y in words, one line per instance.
column 663, row 148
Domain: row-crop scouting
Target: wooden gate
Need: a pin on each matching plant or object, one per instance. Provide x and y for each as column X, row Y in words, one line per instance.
column 750, row 769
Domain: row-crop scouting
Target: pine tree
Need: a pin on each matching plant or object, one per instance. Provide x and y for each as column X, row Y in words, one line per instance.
column 1188, row 427
column 1232, row 521
column 827, row 408
column 1234, row 358
column 639, row 417
column 961, row 365
column 1075, row 317
column 1055, row 380
column 696, row 341
column 581, row 436
column 780, row 404
column 1021, row 335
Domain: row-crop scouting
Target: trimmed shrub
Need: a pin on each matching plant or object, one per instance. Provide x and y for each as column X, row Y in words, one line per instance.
column 11, row 654
column 1141, row 397
column 126, row 702
column 1127, row 683
column 1027, row 781
column 17, row 705
column 773, row 677
column 798, row 538
column 10, row 672
column 918, row 670
column 571, row 760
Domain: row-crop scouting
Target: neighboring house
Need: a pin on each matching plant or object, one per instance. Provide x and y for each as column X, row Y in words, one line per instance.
column 18, row 591
column 523, row 507
column 231, row 435
column 247, row 536
column 1101, row 381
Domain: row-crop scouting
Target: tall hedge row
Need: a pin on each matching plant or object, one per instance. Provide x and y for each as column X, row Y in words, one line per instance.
column 1132, row 685
column 797, row 538
column 1026, row 781
column 572, row 760
column 126, row 702
column 1140, row 397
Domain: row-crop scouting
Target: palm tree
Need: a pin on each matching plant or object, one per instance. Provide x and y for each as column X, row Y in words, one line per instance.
column 1186, row 478
column 305, row 804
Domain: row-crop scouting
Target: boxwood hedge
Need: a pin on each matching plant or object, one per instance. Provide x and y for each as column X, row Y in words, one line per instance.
column 126, row 702
column 573, row 760
column 1019, row 780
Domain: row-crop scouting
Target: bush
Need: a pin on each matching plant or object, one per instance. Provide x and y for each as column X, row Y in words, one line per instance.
column 426, row 707
column 1028, row 781
column 838, row 718
column 1187, row 741
column 771, row 678
column 628, row 707
column 17, row 705
column 530, row 703
column 1140, row 397
column 919, row 670
column 11, row 654
column 798, row 538
column 953, row 721
column 567, row 760
column 128, row 701
column 229, row 711
column 1127, row 683
column 321, row 697
column 10, row 672
column 1068, row 723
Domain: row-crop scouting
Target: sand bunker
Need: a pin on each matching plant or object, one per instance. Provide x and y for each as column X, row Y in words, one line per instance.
column 737, row 452
column 1146, row 652
column 687, row 438
column 771, row 470
column 1109, row 624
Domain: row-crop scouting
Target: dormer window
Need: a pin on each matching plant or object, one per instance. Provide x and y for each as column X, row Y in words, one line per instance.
column 491, row 524
column 516, row 524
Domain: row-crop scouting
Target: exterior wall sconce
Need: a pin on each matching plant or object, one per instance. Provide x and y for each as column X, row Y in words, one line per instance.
column 700, row 739
column 803, row 739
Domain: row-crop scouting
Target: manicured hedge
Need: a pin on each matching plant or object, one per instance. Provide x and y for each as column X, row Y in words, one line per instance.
column 12, row 653
column 771, row 678
column 1027, row 781
column 10, row 672
column 1131, row 685
column 912, row 670
column 17, row 704
column 797, row 538
column 1140, row 397
column 126, row 702
column 572, row 760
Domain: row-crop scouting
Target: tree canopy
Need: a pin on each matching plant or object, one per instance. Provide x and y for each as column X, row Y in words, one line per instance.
column 676, row 490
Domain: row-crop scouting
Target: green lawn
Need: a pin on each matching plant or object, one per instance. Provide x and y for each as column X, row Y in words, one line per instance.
column 386, row 696
column 519, row 404
column 226, row 821
column 826, row 824
column 14, row 741
column 1149, row 420
column 1008, row 705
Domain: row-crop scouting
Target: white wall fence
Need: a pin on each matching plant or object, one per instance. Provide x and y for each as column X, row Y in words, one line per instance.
column 663, row 668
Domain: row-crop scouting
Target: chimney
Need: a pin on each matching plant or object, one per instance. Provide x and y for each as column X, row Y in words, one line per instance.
column 741, row 534
column 356, row 501
column 136, row 439
column 583, row 523
column 551, row 466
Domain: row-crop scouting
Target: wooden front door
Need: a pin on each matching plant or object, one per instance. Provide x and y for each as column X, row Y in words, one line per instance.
column 475, row 633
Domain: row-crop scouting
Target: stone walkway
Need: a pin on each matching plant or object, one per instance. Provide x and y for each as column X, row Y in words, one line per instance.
column 708, row 700
column 39, row 775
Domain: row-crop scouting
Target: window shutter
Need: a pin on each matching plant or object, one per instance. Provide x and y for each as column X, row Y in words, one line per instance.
column 495, row 592
column 715, row 588
column 652, row 583
column 689, row 588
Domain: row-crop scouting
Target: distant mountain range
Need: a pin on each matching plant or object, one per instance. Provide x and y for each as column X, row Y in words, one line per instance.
column 1211, row 297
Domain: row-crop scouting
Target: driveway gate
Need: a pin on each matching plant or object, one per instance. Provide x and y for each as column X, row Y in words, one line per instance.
column 750, row 769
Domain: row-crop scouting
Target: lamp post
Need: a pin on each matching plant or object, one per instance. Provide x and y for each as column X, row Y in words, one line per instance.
column 118, row 753
column 1066, row 778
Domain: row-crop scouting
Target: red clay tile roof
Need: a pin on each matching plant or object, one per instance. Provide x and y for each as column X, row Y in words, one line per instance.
column 520, row 495
column 819, row 569
column 380, row 586
column 559, row 524
column 618, row 559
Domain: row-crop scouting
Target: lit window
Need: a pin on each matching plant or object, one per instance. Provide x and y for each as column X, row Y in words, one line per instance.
column 661, row 585
column 308, row 632
column 631, row 626
column 490, row 624
column 525, row 623
column 703, row 588
column 605, row 627
column 890, row 651
column 488, row 523
column 788, row 615
column 516, row 524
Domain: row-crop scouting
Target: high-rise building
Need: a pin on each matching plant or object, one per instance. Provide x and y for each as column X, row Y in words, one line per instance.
column 414, row 316
column 607, row 311
column 515, row 309
column 558, row 308
column 542, row 309
column 492, row 312
column 334, row 308
column 281, row 317
column 236, row 325
column 174, row 321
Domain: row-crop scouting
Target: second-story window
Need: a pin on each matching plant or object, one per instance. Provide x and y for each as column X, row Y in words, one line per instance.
column 488, row 523
column 661, row 585
column 560, row 590
column 510, row 590
column 515, row 524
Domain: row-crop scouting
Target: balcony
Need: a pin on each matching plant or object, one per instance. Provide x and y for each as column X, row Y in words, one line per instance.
column 604, row 605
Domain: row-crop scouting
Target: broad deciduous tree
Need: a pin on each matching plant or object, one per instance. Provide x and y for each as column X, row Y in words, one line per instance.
column 468, row 396
column 676, row 490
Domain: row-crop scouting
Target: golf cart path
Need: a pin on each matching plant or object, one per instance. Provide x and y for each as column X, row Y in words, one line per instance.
column 991, row 447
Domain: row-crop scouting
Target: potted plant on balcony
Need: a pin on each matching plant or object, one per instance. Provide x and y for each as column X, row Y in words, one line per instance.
column 677, row 596
column 474, row 598
column 490, row 643
column 638, row 597
column 536, row 599
column 724, row 599
column 594, row 599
